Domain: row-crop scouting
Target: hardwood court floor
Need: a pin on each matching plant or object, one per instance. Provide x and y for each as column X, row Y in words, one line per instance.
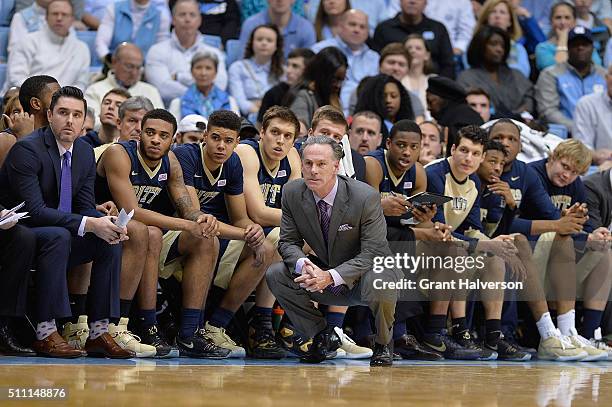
column 188, row 382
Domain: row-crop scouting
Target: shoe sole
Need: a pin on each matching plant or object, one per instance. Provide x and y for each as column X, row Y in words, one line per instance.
column 578, row 358
column 355, row 356
column 148, row 354
column 595, row 358
column 515, row 359
column 237, row 354
column 421, row 356
column 174, row 353
column 199, row 356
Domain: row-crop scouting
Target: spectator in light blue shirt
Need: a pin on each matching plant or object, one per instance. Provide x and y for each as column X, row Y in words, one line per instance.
column 608, row 60
column 262, row 67
column 203, row 97
column 362, row 61
column 252, row 7
column 376, row 10
column 297, row 31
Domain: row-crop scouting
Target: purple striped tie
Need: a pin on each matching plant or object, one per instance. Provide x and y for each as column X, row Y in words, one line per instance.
column 65, row 198
column 324, row 218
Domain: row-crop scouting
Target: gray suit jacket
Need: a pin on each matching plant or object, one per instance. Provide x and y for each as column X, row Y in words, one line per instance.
column 351, row 250
column 599, row 198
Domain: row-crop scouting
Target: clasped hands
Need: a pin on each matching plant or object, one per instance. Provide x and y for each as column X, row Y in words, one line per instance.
column 313, row 278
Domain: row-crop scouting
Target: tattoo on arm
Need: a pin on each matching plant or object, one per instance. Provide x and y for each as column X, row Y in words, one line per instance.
column 179, row 193
column 185, row 208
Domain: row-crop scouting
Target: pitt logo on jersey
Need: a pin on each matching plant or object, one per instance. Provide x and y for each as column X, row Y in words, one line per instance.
column 145, row 194
column 460, row 203
column 206, row 196
column 270, row 192
column 561, row 201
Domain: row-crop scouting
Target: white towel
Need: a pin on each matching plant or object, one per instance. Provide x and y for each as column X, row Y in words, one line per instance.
column 346, row 164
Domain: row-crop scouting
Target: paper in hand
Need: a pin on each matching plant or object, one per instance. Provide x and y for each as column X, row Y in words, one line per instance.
column 124, row 218
column 12, row 217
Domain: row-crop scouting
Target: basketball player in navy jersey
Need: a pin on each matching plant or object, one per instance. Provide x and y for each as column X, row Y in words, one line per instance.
column 396, row 174
column 540, row 222
column 560, row 176
column 146, row 176
column 268, row 164
column 214, row 178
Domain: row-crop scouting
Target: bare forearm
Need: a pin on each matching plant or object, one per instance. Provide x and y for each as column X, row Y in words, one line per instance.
column 542, row 226
column 151, row 218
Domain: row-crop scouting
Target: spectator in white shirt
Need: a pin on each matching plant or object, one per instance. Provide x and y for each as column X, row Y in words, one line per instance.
column 135, row 21
column 28, row 20
column 168, row 63
column 458, row 18
column 53, row 50
column 125, row 73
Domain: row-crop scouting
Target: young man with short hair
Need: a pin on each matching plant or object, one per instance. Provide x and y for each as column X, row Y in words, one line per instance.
column 365, row 133
column 479, row 100
column 455, row 177
column 268, row 165
column 109, row 109
column 214, row 179
column 560, row 176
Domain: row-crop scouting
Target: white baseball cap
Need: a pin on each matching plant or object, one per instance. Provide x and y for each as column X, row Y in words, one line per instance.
column 192, row 122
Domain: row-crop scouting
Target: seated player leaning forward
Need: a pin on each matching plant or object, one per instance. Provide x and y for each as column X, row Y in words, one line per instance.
column 146, row 176
column 214, row 178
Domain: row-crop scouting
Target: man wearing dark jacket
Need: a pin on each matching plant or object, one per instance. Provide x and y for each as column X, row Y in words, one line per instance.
column 412, row 21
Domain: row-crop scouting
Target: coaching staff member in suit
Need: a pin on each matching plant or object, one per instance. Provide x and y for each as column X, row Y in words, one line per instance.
column 342, row 221
column 53, row 171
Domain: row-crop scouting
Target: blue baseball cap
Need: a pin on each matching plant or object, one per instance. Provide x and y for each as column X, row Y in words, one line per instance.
column 579, row 32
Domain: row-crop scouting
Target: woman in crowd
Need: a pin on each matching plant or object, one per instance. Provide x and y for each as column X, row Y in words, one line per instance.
column 204, row 97
column 510, row 91
column 387, row 97
column 262, row 67
column 327, row 20
column 500, row 13
column 320, row 85
column 420, row 67
column 554, row 50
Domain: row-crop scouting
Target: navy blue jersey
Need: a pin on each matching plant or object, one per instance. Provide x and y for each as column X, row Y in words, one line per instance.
column 404, row 185
column 271, row 182
column 561, row 197
column 496, row 217
column 463, row 212
column 150, row 185
column 211, row 188
column 530, row 196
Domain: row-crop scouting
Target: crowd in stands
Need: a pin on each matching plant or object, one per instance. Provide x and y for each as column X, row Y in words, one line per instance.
column 195, row 90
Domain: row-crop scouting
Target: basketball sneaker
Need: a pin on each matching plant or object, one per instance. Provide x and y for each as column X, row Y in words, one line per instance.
column 350, row 348
column 465, row 340
column 76, row 334
column 445, row 345
column 153, row 337
column 292, row 341
column 128, row 341
column 263, row 345
column 593, row 354
column 200, row 346
column 560, row 348
column 507, row 351
column 220, row 337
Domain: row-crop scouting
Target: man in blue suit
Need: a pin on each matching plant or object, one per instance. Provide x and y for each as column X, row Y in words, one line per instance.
column 54, row 173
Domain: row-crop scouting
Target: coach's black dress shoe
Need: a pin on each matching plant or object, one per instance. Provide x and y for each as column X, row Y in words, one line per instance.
column 383, row 356
column 9, row 345
column 323, row 343
column 409, row 348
